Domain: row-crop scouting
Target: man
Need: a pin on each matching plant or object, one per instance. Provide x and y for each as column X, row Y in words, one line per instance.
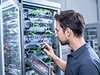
column 69, row 30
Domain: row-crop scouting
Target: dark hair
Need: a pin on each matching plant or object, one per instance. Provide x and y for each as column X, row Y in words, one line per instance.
column 73, row 20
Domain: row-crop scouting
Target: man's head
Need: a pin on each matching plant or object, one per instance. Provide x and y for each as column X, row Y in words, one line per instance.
column 70, row 24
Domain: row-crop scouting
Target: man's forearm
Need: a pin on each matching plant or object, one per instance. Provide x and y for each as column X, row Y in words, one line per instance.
column 61, row 63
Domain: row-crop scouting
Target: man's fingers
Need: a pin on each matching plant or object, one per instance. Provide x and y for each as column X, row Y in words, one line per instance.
column 47, row 52
column 46, row 44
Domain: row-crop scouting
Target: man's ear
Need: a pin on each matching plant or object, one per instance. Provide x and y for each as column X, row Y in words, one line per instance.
column 68, row 31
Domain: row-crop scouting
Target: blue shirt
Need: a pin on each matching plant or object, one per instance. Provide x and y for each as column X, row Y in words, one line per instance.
column 83, row 61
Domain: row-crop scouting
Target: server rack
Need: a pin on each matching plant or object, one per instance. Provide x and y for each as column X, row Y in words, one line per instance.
column 24, row 28
column 10, row 38
column 38, row 21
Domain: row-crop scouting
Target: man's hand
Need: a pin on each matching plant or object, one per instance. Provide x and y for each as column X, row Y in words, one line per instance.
column 49, row 50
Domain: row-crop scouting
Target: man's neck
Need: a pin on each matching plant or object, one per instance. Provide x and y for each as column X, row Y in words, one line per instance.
column 76, row 43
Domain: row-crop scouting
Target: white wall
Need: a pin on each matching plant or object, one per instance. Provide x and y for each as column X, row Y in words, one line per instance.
column 99, row 9
column 99, row 22
column 62, row 2
column 86, row 7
